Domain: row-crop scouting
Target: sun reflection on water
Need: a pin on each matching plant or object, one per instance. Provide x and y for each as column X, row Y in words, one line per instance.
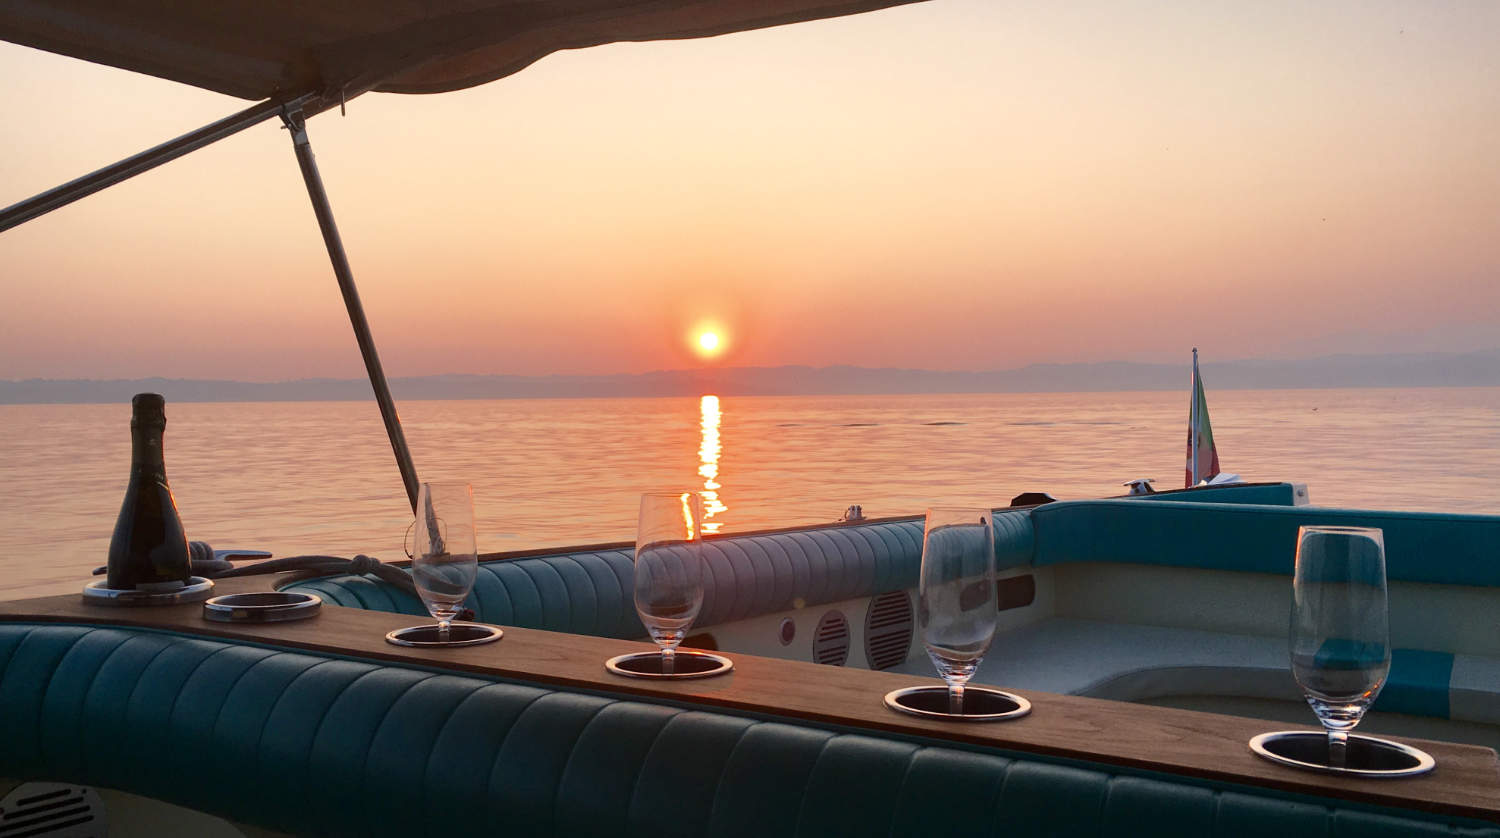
column 708, row 456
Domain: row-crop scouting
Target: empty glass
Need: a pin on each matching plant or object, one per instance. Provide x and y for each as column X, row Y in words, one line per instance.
column 956, row 595
column 1340, row 642
column 669, row 568
column 445, row 560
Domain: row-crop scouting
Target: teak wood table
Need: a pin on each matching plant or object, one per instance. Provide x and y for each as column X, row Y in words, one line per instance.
column 1466, row 781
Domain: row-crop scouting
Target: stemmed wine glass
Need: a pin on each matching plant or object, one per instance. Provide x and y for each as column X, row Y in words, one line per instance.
column 1340, row 643
column 445, row 560
column 669, row 568
column 956, row 607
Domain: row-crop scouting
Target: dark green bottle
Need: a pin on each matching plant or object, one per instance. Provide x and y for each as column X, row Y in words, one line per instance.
column 149, row 550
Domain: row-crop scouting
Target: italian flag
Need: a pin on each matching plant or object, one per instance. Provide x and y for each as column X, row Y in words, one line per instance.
column 1206, row 464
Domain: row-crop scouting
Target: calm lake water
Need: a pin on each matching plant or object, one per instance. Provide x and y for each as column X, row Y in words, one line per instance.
column 318, row 477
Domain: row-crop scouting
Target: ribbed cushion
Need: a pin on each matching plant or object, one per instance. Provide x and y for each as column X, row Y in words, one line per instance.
column 1420, row 546
column 744, row 576
column 1015, row 539
column 309, row 744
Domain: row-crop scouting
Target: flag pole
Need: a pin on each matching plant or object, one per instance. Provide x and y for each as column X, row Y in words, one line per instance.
column 1194, row 420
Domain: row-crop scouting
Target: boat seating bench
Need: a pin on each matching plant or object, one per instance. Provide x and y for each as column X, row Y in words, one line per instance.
column 1138, row 662
column 590, row 592
column 1430, row 547
column 311, row 744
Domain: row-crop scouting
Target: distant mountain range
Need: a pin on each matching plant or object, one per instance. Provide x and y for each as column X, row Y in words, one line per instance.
column 1333, row 371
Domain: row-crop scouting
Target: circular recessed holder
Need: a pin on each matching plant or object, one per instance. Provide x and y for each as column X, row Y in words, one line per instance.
column 981, row 704
column 431, row 637
column 197, row 589
column 266, row 607
column 1366, row 756
column 686, row 663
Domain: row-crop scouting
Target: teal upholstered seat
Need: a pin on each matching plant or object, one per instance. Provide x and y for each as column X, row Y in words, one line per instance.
column 1420, row 546
column 592, row 592
column 1141, row 662
column 311, row 744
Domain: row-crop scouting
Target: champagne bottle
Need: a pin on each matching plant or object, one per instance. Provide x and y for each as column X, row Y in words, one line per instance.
column 149, row 550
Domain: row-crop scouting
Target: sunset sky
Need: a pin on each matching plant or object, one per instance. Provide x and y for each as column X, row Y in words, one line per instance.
column 958, row 184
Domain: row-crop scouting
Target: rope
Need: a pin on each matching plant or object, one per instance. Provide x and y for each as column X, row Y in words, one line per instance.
column 313, row 567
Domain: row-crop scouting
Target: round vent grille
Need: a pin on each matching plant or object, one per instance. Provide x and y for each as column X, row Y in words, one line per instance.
column 831, row 640
column 888, row 626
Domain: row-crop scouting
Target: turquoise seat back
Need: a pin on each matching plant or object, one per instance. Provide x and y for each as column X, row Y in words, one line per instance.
column 316, row 745
column 592, row 592
column 1015, row 538
column 1420, row 546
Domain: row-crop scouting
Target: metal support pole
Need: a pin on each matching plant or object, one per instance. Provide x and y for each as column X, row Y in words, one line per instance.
column 296, row 124
column 22, row 212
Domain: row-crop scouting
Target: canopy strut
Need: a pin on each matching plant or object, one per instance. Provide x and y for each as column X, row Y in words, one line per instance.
column 296, row 124
column 23, row 211
column 292, row 114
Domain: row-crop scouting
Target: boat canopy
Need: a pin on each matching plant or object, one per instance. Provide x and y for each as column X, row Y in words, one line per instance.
column 276, row 49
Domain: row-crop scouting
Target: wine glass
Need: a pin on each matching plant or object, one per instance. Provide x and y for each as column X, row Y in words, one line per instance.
column 445, row 560
column 1340, row 643
column 669, row 568
column 956, row 607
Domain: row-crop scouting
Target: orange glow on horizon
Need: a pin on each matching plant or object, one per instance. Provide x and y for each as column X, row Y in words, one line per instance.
column 1181, row 171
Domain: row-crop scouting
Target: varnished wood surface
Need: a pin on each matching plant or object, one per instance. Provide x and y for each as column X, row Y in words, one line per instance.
column 1466, row 781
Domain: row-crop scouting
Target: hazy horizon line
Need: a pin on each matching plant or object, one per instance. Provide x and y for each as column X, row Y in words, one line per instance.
column 1336, row 356
column 1471, row 369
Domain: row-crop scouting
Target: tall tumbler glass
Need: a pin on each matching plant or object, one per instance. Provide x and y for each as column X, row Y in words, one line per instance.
column 1340, row 642
column 669, row 568
column 445, row 559
column 956, row 608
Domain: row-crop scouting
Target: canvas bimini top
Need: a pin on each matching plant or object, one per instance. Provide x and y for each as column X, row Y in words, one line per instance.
column 264, row 49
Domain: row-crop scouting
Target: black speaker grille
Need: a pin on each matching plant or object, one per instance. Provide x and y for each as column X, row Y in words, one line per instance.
column 888, row 629
column 831, row 639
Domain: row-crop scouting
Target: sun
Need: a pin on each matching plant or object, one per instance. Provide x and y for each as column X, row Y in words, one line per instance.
column 707, row 342
column 707, row 339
